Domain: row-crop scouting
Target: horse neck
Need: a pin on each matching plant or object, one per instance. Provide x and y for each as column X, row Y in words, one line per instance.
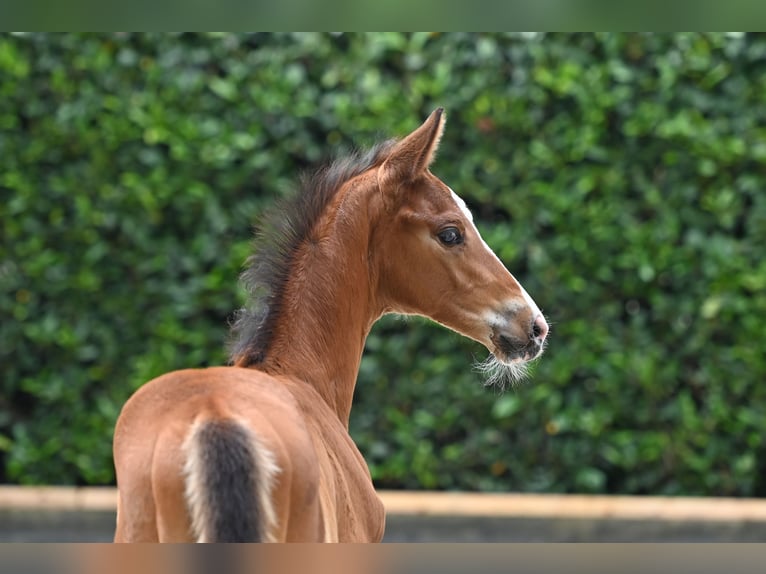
column 329, row 303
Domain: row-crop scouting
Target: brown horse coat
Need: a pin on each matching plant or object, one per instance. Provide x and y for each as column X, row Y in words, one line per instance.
column 260, row 451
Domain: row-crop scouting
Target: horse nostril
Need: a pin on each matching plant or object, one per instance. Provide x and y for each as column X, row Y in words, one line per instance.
column 539, row 328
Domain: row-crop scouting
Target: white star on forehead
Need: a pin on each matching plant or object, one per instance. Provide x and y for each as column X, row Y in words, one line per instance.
column 461, row 204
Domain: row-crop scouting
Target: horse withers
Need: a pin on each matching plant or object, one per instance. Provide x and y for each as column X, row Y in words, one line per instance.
column 260, row 450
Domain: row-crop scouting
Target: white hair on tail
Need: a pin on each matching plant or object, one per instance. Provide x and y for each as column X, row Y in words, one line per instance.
column 195, row 486
column 195, row 491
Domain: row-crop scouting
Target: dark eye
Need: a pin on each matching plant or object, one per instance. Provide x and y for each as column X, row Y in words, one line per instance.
column 450, row 236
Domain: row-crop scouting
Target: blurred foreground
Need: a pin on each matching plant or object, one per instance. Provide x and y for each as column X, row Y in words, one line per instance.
column 98, row 526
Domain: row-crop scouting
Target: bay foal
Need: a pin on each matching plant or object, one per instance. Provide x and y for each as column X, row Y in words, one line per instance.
column 260, row 451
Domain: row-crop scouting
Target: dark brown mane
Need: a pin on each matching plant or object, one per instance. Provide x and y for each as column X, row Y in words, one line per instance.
column 279, row 234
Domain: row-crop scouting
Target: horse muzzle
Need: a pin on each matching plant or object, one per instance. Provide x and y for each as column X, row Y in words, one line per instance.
column 515, row 345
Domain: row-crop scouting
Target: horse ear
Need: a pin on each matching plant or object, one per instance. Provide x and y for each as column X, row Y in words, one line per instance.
column 413, row 155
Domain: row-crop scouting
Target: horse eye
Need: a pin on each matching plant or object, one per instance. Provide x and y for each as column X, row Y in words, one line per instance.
column 450, row 236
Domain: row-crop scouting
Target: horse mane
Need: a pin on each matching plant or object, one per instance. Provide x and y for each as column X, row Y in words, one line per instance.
column 279, row 234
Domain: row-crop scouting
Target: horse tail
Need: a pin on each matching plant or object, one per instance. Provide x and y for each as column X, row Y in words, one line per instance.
column 228, row 477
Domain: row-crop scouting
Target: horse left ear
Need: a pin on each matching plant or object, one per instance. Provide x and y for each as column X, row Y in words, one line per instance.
column 412, row 156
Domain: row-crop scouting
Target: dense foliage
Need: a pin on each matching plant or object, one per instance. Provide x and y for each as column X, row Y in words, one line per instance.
column 620, row 177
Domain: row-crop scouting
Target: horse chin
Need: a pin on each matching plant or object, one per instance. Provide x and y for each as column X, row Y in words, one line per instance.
column 503, row 372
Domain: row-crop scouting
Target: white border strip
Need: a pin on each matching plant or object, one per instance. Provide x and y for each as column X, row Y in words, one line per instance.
column 456, row 504
column 57, row 498
column 576, row 506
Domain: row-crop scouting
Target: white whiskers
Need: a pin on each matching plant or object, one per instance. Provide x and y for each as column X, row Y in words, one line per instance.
column 501, row 375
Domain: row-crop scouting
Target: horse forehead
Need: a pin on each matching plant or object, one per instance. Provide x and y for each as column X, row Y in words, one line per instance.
column 440, row 197
column 461, row 204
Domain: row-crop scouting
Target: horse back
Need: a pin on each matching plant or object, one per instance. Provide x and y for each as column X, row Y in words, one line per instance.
column 272, row 437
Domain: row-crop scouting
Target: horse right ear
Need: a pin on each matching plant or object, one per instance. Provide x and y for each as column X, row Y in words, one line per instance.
column 412, row 156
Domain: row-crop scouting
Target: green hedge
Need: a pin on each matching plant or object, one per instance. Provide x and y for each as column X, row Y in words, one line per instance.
column 620, row 177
